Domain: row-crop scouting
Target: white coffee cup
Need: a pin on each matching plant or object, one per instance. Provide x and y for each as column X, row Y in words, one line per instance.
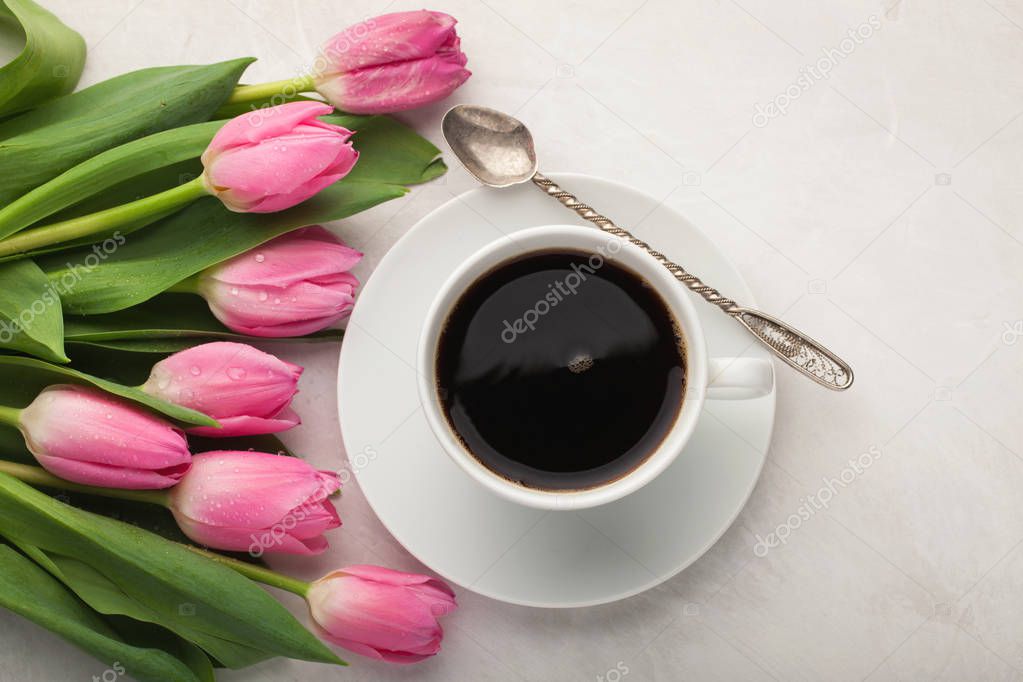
column 706, row 378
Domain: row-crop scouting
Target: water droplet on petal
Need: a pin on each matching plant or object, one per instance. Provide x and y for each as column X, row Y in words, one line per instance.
column 236, row 373
column 260, row 258
column 234, row 291
column 195, row 370
column 263, row 296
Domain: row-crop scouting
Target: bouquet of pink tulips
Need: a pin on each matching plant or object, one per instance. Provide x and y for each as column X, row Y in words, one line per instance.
column 152, row 227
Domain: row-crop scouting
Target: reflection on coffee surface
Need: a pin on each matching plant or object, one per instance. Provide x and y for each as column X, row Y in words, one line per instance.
column 561, row 370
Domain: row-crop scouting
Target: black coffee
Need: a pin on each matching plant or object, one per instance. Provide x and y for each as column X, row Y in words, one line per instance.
column 561, row 370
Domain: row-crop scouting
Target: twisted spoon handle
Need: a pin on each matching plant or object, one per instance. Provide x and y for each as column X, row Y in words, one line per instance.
column 797, row 349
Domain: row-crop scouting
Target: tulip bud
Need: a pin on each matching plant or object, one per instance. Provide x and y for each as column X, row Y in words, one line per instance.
column 381, row 613
column 392, row 63
column 246, row 390
column 295, row 284
column 87, row 436
column 271, row 159
column 255, row 502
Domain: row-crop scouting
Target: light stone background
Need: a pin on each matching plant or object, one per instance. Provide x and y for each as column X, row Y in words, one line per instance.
column 883, row 212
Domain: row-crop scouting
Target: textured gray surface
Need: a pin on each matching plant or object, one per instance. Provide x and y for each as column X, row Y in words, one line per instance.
column 882, row 212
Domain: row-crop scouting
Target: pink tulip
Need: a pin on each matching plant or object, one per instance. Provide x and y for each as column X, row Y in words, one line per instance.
column 392, row 63
column 295, row 284
column 255, row 502
column 246, row 390
column 381, row 613
column 271, row 159
column 90, row 437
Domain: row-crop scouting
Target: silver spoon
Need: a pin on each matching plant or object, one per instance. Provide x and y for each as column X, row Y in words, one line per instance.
column 497, row 149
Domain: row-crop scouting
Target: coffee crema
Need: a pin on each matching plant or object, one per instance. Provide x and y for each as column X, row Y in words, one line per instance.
column 560, row 371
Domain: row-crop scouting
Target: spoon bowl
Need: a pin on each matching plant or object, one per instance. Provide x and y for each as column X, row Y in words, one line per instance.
column 496, row 149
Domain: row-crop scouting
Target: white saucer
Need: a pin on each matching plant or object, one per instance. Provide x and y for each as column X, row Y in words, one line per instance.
column 496, row 548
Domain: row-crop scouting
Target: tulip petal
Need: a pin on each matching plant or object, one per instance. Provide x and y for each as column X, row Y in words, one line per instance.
column 274, row 158
column 245, row 177
column 396, row 86
column 273, row 540
column 386, row 38
column 106, row 476
column 299, row 309
column 263, row 124
column 296, row 370
column 283, row 200
column 254, row 489
column 390, row 576
column 351, row 645
column 399, row 657
column 437, row 597
column 88, row 425
column 436, row 594
column 307, row 253
column 245, row 425
column 230, row 382
column 294, row 284
column 389, row 618
column 315, row 522
column 256, row 502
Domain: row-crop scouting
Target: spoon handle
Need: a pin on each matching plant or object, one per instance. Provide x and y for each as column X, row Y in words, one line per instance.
column 798, row 350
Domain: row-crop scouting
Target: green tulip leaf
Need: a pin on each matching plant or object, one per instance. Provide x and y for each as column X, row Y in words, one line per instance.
column 134, row 632
column 106, row 170
column 156, row 637
column 129, row 361
column 143, row 185
column 201, row 235
column 21, row 380
column 31, row 318
column 183, row 320
column 106, row 597
column 166, row 346
column 50, row 63
column 152, row 517
column 133, row 187
column 117, row 365
column 206, row 233
column 149, row 347
column 31, row 592
column 37, row 146
column 125, row 570
column 390, row 154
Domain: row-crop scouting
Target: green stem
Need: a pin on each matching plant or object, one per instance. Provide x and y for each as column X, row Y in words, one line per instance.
column 37, row 476
column 103, row 221
column 257, row 573
column 287, row 88
column 9, row 415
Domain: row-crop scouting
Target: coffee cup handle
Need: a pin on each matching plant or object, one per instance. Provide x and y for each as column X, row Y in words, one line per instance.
column 739, row 378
